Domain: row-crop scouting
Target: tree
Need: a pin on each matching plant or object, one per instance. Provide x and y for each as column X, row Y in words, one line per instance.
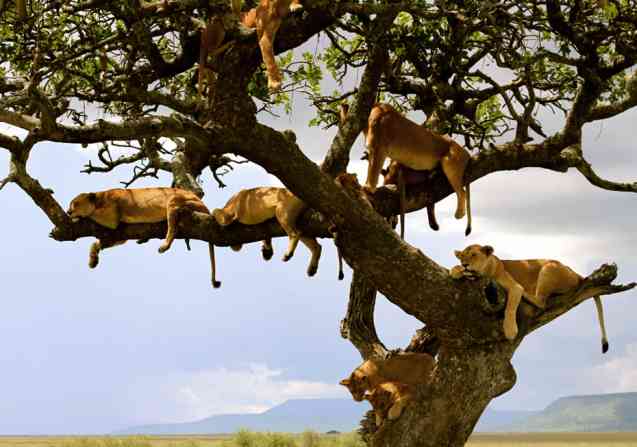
column 136, row 62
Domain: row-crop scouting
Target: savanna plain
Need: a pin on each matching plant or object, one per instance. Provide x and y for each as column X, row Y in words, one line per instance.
column 311, row 439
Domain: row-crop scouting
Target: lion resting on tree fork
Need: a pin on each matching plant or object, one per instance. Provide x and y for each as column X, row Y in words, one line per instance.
column 388, row 384
column 137, row 205
column 533, row 279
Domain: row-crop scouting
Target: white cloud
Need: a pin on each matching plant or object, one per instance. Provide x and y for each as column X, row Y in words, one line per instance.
column 189, row 396
column 619, row 374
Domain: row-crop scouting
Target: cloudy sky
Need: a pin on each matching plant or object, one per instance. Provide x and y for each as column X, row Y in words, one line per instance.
column 144, row 339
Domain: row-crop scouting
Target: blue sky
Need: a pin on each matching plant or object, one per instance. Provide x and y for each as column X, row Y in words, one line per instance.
column 144, row 338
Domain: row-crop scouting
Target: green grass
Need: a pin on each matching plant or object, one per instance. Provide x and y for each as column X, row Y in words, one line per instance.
column 246, row 438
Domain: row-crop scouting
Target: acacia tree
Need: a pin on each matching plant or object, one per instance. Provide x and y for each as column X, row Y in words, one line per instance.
column 135, row 62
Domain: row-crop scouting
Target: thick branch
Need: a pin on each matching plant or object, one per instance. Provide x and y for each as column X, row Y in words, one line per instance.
column 338, row 156
column 358, row 324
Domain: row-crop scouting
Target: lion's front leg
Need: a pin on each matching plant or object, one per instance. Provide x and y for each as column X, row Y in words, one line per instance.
column 510, row 314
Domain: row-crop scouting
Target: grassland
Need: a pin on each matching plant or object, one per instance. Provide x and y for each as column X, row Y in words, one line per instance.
column 247, row 439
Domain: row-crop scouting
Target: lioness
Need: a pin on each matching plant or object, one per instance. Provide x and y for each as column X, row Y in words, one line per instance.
column 389, row 399
column 408, row 368
column 256, row 205
column 267, row 19
column 402, row 176
column 534, row 279
column 391, row 135
column 412, row 148
column 137, row 205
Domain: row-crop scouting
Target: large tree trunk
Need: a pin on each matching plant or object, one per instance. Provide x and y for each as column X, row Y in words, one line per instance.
column 445, row 412
column 470, row 371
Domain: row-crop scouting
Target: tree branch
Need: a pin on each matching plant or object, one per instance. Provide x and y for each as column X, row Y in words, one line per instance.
column 587, row 171
column 358, row 325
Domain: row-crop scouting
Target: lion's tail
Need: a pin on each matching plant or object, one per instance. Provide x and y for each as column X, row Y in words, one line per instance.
column 211, row 249
column 602, row 326
column 468, row 196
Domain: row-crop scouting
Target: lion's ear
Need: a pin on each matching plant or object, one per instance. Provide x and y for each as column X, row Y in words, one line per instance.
column 487, row 250
column 345, row 382
column 92, row 197
column 457, row 253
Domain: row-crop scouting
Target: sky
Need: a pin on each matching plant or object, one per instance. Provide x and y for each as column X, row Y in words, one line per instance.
column 144, row 339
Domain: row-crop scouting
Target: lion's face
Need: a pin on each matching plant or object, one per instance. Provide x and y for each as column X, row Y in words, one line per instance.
column 357, row 384
column 380, row 398
column 475, row 257
column 82, row 206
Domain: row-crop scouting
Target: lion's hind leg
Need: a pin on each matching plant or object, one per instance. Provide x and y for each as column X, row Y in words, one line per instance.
column 553, row 278
column 453, row 165
column 316, row 249
column 173, row 208
column 266, row 249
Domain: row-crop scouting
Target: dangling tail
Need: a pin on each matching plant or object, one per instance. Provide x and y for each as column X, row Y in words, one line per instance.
column 468, row 195
column 602, row 326
column 340, row 264
column 211, row 249
column 401, row 191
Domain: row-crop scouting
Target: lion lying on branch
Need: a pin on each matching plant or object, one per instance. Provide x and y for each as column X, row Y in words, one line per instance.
column 533, row 279
column 137, row 205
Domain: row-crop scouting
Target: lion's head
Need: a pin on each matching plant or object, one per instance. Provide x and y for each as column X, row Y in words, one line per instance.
column 357, row 384
column 82, row 206
column 381, row 397
column 475, row 257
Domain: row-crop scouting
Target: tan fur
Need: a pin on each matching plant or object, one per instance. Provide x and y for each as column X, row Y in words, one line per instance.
column 402, row 176
column 389, row 399
column 408, row 368
column 212, row 36
column 390, row 135
column 533, row 279
column 142, row 205
column 267, row 19
column 256, row 205
column 21, row 9
column 412, row 149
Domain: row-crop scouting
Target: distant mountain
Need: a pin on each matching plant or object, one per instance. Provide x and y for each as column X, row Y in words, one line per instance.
column 497, row 420
column 606, row 412
column 603, row 412
column 291, row 416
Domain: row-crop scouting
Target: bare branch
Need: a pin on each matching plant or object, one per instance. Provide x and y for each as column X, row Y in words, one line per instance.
column 358, row 324
column 587, row 171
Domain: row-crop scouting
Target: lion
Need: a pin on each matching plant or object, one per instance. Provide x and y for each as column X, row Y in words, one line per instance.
column 389, row 399
column 412, row 148
column 213, row 33
column 137, row 205
column 408, row 368
column 391, row 135
column 533, row 279
column 256, row 205
column 267, row 18
column 402, row 176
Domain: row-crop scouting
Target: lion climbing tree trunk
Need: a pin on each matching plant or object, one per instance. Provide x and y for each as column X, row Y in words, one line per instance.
column 469, row 372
